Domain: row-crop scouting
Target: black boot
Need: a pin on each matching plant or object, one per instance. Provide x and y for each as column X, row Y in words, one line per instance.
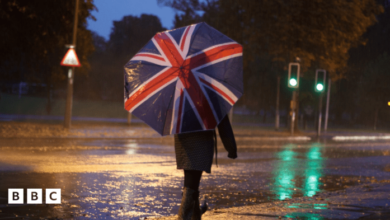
column 189, row 208
column 204, row 207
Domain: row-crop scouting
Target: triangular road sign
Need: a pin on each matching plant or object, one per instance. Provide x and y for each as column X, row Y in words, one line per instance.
column 70, row 59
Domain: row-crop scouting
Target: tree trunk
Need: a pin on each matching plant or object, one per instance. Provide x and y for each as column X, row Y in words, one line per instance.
column 296, row 111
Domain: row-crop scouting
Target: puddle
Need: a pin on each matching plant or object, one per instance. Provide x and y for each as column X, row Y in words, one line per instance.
column 124, row 179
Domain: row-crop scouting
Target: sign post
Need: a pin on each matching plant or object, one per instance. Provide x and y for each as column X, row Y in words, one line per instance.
column 70, row 59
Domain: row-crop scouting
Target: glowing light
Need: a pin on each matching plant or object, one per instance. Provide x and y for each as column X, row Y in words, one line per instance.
column 293, row 82
column 132, row 147
column 131, row 151
column 319, row 87
column 320, row 206
column 297, row 138
column 360, row 138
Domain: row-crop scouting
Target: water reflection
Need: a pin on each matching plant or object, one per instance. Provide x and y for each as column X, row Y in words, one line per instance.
column 313, row 171
column 307, row 206
column 132, row 147
column 305, row 216
column 285, row 173
column 298, row 171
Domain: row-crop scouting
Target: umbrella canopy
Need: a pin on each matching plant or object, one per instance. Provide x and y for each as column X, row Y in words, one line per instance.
column 184, row 80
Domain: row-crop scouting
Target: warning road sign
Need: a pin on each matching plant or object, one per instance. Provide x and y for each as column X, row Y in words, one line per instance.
column 70, row 59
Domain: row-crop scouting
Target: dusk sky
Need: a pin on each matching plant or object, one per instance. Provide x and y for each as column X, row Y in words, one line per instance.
column 114, row 10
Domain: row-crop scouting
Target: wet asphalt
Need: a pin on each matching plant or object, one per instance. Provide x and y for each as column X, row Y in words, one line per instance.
column 126, row 179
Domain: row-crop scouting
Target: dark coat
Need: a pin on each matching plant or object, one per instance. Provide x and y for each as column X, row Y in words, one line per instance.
column 195, row 150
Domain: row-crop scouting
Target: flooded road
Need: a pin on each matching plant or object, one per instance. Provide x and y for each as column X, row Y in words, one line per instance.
column 123, row 179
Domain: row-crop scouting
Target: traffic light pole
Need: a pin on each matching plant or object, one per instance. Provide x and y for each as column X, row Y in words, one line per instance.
column 319, row 116
column 293, row 82
column 293, row 107
column 327, row 106
column 69, row 95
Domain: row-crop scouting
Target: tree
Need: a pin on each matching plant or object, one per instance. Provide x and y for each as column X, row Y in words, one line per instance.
column 275, row 32
column 87, row 86
column 374, row 90
column 352, row 97
column 131, row 33
column 127, row 37
column 34, row 34
column 319, row 32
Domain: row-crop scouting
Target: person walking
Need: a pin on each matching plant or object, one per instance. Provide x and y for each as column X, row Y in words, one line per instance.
column 183, row 82
column 194, row 154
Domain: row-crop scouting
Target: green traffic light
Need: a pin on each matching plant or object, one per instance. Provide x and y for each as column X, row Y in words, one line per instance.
column 319, row 87
column 293, row 82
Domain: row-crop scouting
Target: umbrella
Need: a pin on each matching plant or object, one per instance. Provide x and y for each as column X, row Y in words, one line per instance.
column 184, row 80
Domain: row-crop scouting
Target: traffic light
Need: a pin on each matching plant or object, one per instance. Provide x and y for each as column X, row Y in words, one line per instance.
column 320, row 80
column 293, row 75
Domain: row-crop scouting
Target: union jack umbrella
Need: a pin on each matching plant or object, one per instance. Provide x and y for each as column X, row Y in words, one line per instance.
column 184, row 80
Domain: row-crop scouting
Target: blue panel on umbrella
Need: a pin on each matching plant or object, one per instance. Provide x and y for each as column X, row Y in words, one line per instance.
column 153, row 110
column 190, row 121
column 220, row 105
column 204, row 37
column 150, row 48
column 177, row 33
column 137, row 72
column 228, row 72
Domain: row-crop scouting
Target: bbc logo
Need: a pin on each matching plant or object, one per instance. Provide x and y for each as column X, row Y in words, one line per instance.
column 34, row 196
